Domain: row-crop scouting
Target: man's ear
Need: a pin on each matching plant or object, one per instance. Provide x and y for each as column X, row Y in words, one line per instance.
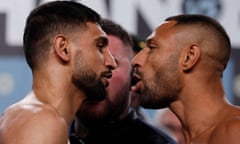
column 61, row 47
column 190, row 57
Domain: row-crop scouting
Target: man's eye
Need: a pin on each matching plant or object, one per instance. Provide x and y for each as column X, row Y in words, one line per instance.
column 151, row 46
column 101, row 45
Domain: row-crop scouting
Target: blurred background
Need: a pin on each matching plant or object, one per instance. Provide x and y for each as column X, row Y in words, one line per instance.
column 139, row 17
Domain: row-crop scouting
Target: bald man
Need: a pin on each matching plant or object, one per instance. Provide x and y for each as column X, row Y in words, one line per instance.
column 181, row 67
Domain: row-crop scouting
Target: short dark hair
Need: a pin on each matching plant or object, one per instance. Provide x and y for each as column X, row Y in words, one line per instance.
column 50, row 19
column 211, row 25
column 112, row 28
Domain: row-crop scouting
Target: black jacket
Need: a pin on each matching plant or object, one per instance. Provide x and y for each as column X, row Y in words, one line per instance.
column 130, row 130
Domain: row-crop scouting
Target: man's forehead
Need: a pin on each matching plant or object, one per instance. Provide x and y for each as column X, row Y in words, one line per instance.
column 166, row 25
column 163, row 27
column 96, row 31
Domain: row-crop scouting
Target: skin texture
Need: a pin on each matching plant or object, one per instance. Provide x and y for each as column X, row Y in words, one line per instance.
column 167, row 120
column 155, row 76
column 112, row 120
column 181, row 68
column 44, row 115
column 116, row 104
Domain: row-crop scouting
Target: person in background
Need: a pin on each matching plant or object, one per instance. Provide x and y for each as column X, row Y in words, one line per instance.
column 67, row 52
column 182, row 67
column 166, row 120
column 112, row 121
column 138, row 45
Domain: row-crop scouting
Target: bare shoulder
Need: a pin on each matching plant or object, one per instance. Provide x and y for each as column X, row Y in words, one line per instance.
column 228, row 131
column 32, row 123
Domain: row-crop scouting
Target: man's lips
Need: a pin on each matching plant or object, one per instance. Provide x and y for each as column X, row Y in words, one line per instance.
column 137, row 87
column 136, row 78
column 137, row 82
column 106, row 76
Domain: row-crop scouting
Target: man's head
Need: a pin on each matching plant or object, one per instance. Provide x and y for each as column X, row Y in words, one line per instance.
column 182, row 46
column 117, row 100
column 48, row 20
column 213, row 40
column 67, row 36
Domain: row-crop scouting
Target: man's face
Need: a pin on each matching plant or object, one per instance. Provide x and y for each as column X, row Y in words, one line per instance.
column 156, row 68
column 117, row 100
column 93, row 62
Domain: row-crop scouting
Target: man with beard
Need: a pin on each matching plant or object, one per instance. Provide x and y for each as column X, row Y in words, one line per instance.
column 181, row 67
column 112, row 121
column 65, row 48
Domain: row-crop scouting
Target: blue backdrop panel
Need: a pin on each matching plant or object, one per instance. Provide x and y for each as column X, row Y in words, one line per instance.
column 15, row 80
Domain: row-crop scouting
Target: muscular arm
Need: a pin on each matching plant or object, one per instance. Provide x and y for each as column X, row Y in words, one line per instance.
column 46, row 130
column 44, row 127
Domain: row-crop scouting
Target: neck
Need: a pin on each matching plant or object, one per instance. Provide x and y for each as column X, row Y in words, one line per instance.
column 199, row 110
column 54, row 91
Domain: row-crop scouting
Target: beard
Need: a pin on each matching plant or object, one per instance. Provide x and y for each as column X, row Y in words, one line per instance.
column 164, row 87
column 107, row 111
column 86, row 80
column 159, row 93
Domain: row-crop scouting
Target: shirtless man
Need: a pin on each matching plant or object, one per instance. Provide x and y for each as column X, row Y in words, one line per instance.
column 112, row 120
column 67, row 52
column 182, row 68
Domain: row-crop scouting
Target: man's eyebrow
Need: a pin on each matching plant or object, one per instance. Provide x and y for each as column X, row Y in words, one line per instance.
column 102, row 39
column 149, row 41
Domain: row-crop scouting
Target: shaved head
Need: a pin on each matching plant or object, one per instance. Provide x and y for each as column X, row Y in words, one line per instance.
column 208, row 34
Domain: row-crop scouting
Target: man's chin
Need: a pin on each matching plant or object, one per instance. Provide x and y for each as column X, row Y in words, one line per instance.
column 96, row 95
column 95, row 99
